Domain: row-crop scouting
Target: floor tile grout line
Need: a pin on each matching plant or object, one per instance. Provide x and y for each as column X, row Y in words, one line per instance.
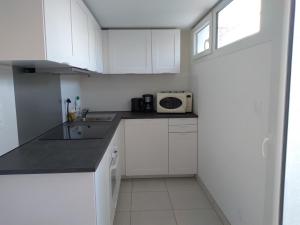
column 183, row 209
column 153, row 210
column 131, row 201
column 172, row 206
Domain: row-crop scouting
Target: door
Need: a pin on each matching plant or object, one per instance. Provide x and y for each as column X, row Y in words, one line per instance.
column 291, row 184
column 182, row 153
column 80, row 34
column 146, row 147
column 166, row 51
column 58, row 30
column 130, row 51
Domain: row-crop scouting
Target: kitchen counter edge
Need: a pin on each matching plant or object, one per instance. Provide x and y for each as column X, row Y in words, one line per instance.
column 90, row 168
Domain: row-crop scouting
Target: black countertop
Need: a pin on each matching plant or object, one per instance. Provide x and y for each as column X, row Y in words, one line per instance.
column 67, row 156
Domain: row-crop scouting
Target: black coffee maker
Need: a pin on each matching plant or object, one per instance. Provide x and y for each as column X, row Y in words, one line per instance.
column 148, row 103
column 137, row 105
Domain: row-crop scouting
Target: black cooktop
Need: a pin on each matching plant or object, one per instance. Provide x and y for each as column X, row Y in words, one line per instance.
column 82, row 131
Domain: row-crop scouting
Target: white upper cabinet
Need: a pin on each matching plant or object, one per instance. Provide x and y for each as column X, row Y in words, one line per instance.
column 99, row 51
column 86, row 37
column 92, row 44
column 129, row 51
column 58, row 30
column 144, row 51
column 93, row 35
column 166, row 51
column 22, row 30
column 80, row 34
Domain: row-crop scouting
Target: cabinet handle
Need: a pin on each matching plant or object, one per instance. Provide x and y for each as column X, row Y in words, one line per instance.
column 183, row 133
column 264, row 148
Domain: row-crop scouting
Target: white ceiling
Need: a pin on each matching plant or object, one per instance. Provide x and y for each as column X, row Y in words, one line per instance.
column 149, row 13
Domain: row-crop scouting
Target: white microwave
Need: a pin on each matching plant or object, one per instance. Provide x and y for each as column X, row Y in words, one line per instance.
column 174, row 102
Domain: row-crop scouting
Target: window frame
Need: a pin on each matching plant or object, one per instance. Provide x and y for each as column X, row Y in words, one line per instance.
column 207, row 20
column 222, row 5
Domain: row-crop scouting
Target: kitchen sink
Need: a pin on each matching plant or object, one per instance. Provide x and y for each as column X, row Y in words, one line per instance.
column 100, row 116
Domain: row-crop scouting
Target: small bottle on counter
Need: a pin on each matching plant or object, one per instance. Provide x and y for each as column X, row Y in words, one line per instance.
column 77, row 106
column 72, row 115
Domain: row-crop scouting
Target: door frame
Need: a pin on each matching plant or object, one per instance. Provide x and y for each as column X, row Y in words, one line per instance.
column 286, row 107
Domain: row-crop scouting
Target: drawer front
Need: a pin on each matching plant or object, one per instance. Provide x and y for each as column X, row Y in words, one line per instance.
column 183, row 121
column 184, row 128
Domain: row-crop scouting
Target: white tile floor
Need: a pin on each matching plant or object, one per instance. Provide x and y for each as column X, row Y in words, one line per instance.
column 171, row 201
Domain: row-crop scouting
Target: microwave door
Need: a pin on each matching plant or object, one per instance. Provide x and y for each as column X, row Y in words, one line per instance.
column 172, row 104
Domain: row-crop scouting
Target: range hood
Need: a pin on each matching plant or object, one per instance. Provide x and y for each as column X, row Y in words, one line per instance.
column 48, row 67
column 59, row 71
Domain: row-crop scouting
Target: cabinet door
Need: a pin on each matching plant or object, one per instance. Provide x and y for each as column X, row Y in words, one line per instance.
column 22, row 30
column 58, row 30
column 93, row 29
column 80, row 18
column 146, row 147
column 166, row 51
column 99, row 51
column 129, row 51
column 182, row 153
column 103, row 194
column 116, row 168
column 121, row 147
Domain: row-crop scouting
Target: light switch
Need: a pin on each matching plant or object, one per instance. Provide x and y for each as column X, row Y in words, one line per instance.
column 1, row 116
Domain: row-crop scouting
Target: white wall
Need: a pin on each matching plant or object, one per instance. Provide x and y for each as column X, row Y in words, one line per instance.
column 233, row 93
column 238, row 96
column 70, row 88
column 113, row 92
column 8, row 119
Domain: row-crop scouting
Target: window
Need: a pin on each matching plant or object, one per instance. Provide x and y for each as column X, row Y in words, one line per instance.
column 202, row 37
column 237, row 20
column 202, row 40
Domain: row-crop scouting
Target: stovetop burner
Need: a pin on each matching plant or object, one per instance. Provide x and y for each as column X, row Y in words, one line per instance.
column 76, row 132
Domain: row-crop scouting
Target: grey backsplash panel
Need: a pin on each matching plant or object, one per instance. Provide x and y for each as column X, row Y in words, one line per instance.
column 38, row 103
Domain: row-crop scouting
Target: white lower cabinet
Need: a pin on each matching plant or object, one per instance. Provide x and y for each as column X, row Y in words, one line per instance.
column 115, row 168
column 108, row 179
column 91, row 198
column 146, row 147
column 161, row 147
column 183, row 144
column 102, row 184
column 182, row 153
column 64, row 198
column 121, row 144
